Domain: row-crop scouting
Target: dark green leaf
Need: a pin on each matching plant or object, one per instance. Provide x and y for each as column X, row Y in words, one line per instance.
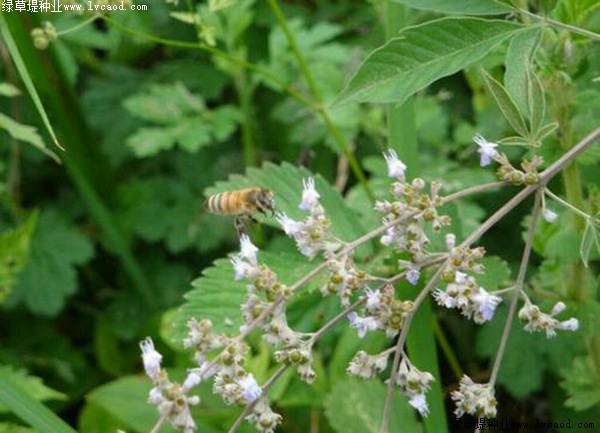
column 464, row 7
column 34, row 386
column 506, row 104
column 421, row 55
column 581, row 384
column 50, row 275
column 496, row 275
column 25, row 133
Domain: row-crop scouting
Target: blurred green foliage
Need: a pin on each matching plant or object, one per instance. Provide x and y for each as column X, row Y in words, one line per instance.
column 158, row 109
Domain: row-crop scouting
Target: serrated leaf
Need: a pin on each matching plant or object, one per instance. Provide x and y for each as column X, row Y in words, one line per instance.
column 50, row 276
column 519, row 60
column 506, row 104
column 285, row 181
column 422, row 54
column 8, row 90
column 151, row 141
column 581, row 384
column 356, row 407
column 218, row 297
column 590, row 241
column 496, row 274
column 14, row 249
column 463, row 7
column 21, row 132
column 34, row 386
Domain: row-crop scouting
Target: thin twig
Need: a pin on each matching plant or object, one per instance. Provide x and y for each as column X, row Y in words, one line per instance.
column 564, row 26
column 518, row 287
column 159, row 423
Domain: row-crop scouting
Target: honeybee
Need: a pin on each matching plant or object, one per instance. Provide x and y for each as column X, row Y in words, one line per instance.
column 242, row 204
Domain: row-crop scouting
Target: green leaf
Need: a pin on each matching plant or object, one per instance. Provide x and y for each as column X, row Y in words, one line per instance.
column 285, row 181
column 218, row 297
column 421, row 55
column 13, row 49
column 496, row 274
column 537, row 103
column 34, row 386
column 589, row 242
column 581, row 384
column 8, row 90
column 27, row 408
column 151, row 141
column 14, row 249
column 93, row 419
column 25, row 133
column 6, row 427
column 50, row 275
column 464, row 7
column 506, row 104
column 519, row 68
column 357, row 407
column 164, row 103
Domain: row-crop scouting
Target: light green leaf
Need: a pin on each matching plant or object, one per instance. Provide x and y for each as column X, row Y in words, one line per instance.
column 21, row 132
column 49, row 276
column 421, row 55
column 14, row 249
column 6, row 427
column 496, row 275
column 27, row 408
column 164, row 104
column 464, row 7
column 519, row 61
column 537, row 103
column 13, row 49
column 185, row 17
column 151, row 141
column 218, row 297
column 506, row 104
column 545, row 131
column 356, row 407
column 34, row 386
column 581, row 384
column 8, row 90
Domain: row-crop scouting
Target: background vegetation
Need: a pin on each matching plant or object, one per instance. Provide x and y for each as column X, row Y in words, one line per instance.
column 157, row 109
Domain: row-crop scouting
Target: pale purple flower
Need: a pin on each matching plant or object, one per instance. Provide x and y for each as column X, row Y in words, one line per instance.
column 191, row 381
column 419, row 402
column 241, row 268
column 450, row 241
column 362, row 324
column 290, row 226
column 373, row 299
column 250, row 388
column 310, row 196
column 248, row 250
column 412, row 276
column 486, row 304
column 558, row 308
column 569, row 325
column 396, row 167
column 487, row 150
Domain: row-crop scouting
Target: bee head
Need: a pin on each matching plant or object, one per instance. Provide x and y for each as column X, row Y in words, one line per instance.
column 266, row 201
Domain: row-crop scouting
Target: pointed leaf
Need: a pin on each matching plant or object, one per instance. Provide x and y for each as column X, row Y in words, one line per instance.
column 519, row 59
column 421, row 55
column 463, row 7
column 506, row 104
column 25, row 133
column 8, row 90
column 589, row 242
column 537, row 104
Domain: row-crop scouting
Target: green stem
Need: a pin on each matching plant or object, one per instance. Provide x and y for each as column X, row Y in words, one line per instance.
column 312, row 85
column 559, row 25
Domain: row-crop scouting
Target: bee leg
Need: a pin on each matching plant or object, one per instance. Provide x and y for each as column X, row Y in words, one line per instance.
column 240, row 227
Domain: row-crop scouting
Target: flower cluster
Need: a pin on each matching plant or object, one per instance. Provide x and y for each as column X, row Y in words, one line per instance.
column 414, row 384
column 528, row 175
column 466, row 295
column 344, row 279
column 313, row 234
column 170, row 398
column 537, row 321
column 412, row 208
column 42, row 36
column 263, row 418
column 299, row 355
column 367, row 366
column 474, row 398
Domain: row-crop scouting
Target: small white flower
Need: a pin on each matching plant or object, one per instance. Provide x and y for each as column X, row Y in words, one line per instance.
column 396, row 167
column 558, row 308
column 486, row 304
column 487, row 149
column 444, row 299
column 250, row 388
column 241, row 268
column 412, row 276
column 450, row 241
column 419, row 402
column 549, row 215
column 290, row 226
column 460, row 277
column 310, row 196
column 155, row 397
column 248, row 250
column 362, row 324
column 151, row 358
column 191, row 381
column 373, row 299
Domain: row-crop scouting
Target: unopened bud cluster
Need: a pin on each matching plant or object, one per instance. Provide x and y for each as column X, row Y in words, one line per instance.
column 528, row 175
column 42, row 36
